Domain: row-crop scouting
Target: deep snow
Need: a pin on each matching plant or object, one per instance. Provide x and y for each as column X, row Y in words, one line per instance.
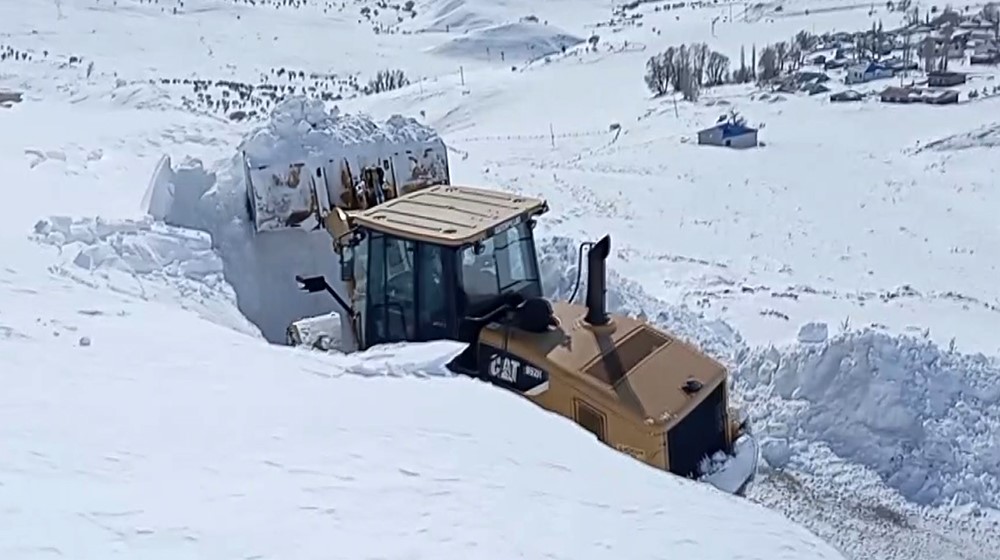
column 232, row 448
column 922, row 418
column 871, row 433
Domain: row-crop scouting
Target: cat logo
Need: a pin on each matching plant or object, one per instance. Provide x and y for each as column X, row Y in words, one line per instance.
column 507, row 370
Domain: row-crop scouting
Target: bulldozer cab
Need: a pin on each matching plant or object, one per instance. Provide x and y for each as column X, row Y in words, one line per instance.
column 439, row 263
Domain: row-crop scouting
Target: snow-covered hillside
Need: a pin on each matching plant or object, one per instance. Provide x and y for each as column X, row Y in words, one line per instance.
column 843, row 271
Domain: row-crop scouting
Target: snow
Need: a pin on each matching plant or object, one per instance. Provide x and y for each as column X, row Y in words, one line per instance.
column 302, row 132
column 236, row 449
column 510, row 42
column 729, row 473
column 924, row 419
column 843, row 272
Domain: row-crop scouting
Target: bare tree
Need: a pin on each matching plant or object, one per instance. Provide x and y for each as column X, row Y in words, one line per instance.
column 781, row 55
column 658, row 74
column 946, row 35
column 768, row 64
column 699, row 58
column 689, row 86
column 991, row 13
column 805, row 41
column 682, row 64
column 716, row 68
column 742, row 75
column 794, row 57
column 387, row 80
column 907, row 46
column 928, row 54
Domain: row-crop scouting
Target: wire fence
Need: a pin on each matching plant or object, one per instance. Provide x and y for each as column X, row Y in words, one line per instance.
column 535, row 137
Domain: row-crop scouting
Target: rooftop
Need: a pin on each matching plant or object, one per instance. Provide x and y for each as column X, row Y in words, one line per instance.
column 448, row 214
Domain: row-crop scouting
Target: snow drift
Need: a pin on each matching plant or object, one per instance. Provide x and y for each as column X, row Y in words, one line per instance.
column 148, row 260
column 924, row 419
column 510, row 42
column 237, row 449
column 455, row 15
column 983, row 137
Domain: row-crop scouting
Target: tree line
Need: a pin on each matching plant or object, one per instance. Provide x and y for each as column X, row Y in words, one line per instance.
column 688, row 69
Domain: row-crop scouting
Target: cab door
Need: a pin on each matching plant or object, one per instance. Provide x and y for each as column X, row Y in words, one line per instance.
column 391, row 301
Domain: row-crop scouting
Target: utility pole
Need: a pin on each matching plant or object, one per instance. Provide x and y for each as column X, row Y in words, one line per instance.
column 552, row 134
column 461, row 73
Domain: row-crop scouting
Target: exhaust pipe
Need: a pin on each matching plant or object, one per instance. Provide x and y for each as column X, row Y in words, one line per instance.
column 597, row 313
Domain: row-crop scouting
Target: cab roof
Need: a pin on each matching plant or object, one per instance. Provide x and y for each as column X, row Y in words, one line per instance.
column 448, row 214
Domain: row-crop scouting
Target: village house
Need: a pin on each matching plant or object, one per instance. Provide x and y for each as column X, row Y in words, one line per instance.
column 952, row 47
column 729, row 134
column 846, row 96
column 917, row 95
column 9, row 98
column 866, row 72
column 945, row 79
column 989, row 57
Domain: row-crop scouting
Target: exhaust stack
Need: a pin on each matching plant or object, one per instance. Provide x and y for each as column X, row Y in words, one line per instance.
column 597, row 313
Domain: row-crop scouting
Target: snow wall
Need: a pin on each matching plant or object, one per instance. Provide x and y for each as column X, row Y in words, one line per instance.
column 261, row 268
column 923, row 419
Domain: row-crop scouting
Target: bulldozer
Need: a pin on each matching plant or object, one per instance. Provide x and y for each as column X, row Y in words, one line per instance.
column 428, row 260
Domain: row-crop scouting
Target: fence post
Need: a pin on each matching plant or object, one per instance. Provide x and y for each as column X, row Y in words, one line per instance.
column 552, row 134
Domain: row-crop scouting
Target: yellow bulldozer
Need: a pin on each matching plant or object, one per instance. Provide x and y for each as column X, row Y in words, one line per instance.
column 448, row 262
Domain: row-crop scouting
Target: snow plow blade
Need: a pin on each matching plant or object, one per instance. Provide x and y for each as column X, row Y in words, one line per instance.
column 299, row 195
column 735, row 471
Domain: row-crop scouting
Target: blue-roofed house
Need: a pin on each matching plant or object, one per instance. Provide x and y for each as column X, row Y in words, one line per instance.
column 731, row 133
column 866, row 72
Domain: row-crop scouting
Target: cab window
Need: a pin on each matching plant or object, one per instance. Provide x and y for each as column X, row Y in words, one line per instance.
column 391, row 301
column 504, row 263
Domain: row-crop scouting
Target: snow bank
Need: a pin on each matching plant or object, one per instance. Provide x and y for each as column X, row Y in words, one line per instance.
column 514, row 41
column 237, row 449
column 147, row 260
column 558, row 262
column 983, row 137
column 303, row 130
column 926, row 420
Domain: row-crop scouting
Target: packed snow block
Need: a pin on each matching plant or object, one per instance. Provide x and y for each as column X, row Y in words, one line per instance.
column 813, row 333
column 305, row 158
column 776, row 452
column 174, row 195
column 145, row 259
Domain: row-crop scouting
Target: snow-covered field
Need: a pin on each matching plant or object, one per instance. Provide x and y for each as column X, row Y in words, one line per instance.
column 843, row 270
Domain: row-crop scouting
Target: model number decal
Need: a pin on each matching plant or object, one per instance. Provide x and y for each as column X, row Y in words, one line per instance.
column 509, row 371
